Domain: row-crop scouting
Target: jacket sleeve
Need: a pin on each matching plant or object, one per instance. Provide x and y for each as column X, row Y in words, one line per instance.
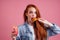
column 53, row 30
column 19, row 34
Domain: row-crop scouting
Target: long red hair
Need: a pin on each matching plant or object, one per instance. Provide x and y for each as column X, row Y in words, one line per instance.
column 39, row 29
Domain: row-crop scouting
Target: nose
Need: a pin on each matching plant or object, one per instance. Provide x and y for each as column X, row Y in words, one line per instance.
column 33, row 15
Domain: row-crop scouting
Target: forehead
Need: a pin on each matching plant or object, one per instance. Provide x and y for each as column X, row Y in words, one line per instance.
column 32, row 9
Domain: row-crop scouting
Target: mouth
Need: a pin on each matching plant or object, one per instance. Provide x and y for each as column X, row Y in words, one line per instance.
column 34, row 19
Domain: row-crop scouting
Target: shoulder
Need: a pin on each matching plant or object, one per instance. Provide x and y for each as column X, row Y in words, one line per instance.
column 22, row 27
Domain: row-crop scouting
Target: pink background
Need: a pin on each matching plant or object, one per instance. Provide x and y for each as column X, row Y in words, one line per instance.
column 11, row 13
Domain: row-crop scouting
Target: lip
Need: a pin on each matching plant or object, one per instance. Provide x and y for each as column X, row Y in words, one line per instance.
column 34, row 19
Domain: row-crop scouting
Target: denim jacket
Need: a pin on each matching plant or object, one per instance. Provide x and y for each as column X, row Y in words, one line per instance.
column 25, row 34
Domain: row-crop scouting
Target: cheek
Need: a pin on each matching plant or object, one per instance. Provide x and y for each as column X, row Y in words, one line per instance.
column 35, row 15
column 29, row 15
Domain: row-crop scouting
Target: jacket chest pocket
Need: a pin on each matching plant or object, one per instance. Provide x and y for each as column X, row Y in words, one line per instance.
column 26, row 36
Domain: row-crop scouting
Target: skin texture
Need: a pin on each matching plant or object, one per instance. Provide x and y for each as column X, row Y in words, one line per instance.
column 32, row 14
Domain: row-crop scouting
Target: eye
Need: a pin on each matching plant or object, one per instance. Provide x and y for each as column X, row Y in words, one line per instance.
column 30, row 12
column 35, row 12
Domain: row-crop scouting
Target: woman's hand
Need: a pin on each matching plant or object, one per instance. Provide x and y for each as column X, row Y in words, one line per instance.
column 45, row 22
column 14, row 32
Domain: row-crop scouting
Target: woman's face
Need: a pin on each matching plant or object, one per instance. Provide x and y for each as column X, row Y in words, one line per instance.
column 31, row 13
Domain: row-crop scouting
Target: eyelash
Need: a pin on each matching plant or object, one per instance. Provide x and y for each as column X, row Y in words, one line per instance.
column 32, row 12
column 35, row 12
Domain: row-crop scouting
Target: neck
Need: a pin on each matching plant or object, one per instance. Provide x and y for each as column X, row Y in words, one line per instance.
column 29, row 22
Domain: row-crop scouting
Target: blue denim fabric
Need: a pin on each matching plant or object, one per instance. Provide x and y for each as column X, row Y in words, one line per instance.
column 25, row 34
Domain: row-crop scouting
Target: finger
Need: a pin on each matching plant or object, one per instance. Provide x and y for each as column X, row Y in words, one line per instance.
column 41, row 19
column 15, row 30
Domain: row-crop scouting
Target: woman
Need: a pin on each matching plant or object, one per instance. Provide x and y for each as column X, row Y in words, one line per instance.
column 34, row 27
